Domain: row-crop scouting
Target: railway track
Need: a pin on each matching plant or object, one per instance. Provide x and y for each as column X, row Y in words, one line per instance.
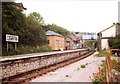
column 28, row 76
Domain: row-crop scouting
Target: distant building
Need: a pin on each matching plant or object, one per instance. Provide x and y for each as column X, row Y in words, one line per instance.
column 55, row 40
column 106, row 34
column 73, row 41
column 87, row 35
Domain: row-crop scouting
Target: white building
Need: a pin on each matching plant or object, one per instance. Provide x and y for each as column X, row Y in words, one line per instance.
column 106, row 34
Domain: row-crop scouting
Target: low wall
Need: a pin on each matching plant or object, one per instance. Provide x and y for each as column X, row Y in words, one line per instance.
column 17, row 65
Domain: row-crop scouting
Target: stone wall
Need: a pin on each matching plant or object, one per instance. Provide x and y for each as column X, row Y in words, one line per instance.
column 17, row 66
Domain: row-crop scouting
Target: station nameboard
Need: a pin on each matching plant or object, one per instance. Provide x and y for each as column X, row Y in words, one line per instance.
column 12, row 38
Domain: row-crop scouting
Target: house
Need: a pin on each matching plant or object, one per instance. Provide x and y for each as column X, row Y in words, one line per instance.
column 106, row 34
column 56, row 41
column 80, row 41
column 73, row 41
column 20, row 5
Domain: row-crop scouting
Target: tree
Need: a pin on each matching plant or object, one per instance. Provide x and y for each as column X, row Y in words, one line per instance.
column 36, row 33
column 36, row 17
column 92, row 38
column 57, row 29
column 28, row 28
column 13, row 21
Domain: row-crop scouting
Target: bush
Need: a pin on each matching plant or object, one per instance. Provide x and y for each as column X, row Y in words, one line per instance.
column 100, row 77
column 103, row 53
column 114, row 42
column 114, row 65
column 23, row 49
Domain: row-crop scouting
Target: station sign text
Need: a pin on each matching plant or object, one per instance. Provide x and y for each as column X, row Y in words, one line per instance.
column 12, row 38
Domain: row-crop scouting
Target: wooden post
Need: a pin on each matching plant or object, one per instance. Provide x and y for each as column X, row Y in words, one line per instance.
column 108, row 66
column 7, row 46
column 15, row 46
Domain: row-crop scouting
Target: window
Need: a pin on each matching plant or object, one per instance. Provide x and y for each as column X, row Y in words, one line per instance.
column 48, row 41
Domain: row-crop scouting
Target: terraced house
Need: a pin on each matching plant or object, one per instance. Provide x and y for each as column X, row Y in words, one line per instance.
column 73, row 41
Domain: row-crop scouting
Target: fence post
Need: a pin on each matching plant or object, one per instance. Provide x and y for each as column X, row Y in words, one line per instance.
column 108, row 66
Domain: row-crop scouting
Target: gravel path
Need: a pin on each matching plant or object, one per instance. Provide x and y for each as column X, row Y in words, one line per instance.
column 74, row 72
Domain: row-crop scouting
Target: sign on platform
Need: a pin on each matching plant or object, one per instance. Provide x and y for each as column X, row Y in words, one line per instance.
column 12, row 38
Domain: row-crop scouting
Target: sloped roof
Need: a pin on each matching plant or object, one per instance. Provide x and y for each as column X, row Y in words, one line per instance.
column 72, row 36
column 49, row 32
column 21, row 6
column 108, row 28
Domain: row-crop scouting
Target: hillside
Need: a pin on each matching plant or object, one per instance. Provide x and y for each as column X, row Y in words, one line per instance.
column 32, row 37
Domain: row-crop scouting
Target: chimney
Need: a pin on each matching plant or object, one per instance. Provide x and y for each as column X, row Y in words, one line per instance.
column 113, row 23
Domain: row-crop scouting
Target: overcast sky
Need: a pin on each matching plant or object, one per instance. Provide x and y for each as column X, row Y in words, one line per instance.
column 76, row 15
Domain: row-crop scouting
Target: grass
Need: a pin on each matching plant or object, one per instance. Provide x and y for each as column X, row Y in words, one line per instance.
column 101, row 53
column 83, row 65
